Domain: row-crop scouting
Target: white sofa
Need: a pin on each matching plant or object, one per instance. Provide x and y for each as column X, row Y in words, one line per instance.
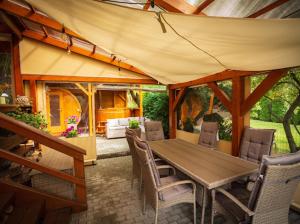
column 115, row 128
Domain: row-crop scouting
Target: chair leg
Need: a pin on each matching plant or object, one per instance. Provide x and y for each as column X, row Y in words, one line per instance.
column 213, row 197
column 132, row 179
column 156, row 215
column 141, row 182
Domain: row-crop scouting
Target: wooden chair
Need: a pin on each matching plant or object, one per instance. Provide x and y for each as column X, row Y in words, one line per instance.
column 162, row 192
column 154, row 131
column 208, row 134
column 270, row 200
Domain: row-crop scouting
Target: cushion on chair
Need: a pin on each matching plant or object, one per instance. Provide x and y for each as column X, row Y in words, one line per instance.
column 173, row 192
column 154, row 130
column 112, row 122
column 256, row 143
column 123, row 122
column 208, row 134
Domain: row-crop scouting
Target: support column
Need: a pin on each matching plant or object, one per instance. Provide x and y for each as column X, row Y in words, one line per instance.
column 172, row 114
column 33, row 96
column 238, row 90
column 16, row 67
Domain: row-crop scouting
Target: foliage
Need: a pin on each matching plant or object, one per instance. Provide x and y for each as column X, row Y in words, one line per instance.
column 225, row 125
column 156, row 107
column 36, row 120
column 71, row 132
column 188, row 125
column 72, row 119
column 134, row 124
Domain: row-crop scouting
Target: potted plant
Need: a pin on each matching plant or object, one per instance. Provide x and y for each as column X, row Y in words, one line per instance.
column 71, row 132
column 72, row 121
column 135, row 126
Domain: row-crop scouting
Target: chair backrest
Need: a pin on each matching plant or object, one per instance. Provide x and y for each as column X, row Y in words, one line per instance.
column 130, row 134
column 150, row 173
column 208, row 134
column 274, row 188
column 256, row 143
column 154, row 130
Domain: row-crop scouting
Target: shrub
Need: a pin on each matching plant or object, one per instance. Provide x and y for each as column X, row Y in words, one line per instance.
column 134, row 124
column 156, row 107
column 36, row 120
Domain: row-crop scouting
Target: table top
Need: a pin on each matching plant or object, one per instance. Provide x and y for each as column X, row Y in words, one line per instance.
column 209, row 167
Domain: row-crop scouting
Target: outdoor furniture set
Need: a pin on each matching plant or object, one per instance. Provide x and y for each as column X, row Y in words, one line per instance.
column 272, row 181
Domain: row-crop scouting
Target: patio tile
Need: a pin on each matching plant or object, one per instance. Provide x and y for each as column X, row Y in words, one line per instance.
column 111, row 199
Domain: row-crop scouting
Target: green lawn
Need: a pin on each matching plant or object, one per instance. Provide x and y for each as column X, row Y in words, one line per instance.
column 280, row 138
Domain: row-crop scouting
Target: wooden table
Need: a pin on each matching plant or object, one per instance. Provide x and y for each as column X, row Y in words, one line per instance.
column 208, row 167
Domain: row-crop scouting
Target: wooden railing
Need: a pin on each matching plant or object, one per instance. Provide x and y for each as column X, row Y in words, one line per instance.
column 55, row 143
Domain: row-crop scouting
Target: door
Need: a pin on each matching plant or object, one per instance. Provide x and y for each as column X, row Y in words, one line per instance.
column 60, row 105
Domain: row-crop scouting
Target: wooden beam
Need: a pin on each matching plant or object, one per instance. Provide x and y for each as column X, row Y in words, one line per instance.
column 176, row 6
column 222, row 96
column 238, row 89
column 90, row 94
column 33, row 96
column 11, row 25
column 179, row 97
column 267, row 8
column 41, row 19
column 82, row 88
column 262, row 89
column 60, row 78
column 17, row 68
column 220, row 76
column 45, row 31
column 172, row 114
column 61, row 44
column 202, row 6
column 147, row 5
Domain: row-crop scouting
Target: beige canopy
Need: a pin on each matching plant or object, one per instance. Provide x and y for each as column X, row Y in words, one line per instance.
column 192, row 46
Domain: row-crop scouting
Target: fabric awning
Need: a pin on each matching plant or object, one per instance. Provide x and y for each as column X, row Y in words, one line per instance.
column 192, row 47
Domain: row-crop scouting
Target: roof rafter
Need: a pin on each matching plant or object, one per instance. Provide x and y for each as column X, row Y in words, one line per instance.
column 176, row 6
column 267, row 8
column 61, row 44
column 202, row 6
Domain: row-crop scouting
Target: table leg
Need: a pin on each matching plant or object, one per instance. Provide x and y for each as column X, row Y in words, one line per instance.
column 204, row 196
column 213, row 198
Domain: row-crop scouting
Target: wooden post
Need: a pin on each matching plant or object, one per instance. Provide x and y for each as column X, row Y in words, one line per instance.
column 172, row 114
column 32, row 86
column 80, row 191
column 16, row 68
column 141, row 103
column 90, row 100
column 238, row 89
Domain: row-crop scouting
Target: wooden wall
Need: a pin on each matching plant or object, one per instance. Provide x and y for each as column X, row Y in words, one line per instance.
column 111, row 104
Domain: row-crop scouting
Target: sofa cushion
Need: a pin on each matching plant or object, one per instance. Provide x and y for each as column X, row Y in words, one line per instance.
column 123, row 122
column 112, row 122
column 117, row 128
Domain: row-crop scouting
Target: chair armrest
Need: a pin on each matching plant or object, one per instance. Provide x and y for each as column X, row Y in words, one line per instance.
column 177, row 183
column 235, row 200
column 167, row 167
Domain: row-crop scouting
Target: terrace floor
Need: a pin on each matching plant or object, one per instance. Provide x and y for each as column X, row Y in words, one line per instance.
column 107, row 148
column 111, row 199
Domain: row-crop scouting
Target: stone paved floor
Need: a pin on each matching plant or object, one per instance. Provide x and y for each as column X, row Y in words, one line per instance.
column 111, row 199
column 106, row 146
